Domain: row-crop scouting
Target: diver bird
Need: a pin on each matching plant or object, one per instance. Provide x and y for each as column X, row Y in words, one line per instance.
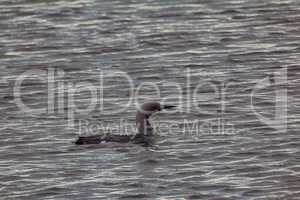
column 144, row 133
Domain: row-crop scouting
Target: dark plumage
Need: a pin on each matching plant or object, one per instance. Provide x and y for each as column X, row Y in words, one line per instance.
column 145, row 131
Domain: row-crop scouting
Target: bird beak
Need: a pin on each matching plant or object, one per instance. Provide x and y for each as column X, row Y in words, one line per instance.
column 168, row 107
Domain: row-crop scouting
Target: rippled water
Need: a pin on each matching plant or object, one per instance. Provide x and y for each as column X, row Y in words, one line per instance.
column 234, row 43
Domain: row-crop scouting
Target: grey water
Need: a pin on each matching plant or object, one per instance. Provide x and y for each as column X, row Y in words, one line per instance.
column 236, row 65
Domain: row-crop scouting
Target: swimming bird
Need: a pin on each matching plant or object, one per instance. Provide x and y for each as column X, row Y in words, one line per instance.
column 144, row 133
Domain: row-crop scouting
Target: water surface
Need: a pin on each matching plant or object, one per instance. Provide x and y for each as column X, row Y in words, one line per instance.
column 234, row 42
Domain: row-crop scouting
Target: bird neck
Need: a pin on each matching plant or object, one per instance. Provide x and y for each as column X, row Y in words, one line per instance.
column 143, row 125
